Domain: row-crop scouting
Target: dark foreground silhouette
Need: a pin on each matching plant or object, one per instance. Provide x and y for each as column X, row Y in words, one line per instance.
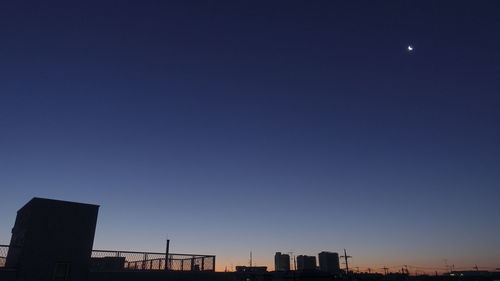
column 52, row 241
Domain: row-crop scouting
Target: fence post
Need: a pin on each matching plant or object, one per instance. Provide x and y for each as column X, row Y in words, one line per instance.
column 144, row 258
column 167, row 250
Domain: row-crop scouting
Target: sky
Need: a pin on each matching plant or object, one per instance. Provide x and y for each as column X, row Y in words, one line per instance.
column 263, row 126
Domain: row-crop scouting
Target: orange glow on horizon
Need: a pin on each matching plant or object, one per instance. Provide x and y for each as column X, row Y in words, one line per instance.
column 413, row 270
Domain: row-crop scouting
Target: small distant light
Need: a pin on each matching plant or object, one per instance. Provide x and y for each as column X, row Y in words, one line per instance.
column 410, row 48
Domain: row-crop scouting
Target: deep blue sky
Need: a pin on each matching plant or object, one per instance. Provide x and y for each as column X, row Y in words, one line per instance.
column 259, row 125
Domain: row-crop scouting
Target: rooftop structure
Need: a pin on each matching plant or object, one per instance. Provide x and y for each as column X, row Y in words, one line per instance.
column 251, row 269
column 52, row 240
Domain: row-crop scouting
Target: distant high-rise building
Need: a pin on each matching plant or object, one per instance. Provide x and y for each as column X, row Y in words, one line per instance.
column 329, row 262
column 306, row 263
column 281, row 262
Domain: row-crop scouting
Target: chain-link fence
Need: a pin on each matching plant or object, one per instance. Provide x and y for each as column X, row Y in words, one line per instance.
column 103, row 260
column 4, row 249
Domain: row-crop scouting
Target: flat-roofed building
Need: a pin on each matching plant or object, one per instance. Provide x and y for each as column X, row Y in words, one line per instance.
column 242, row 268
column 281, row 262
column 329, row 262
column 306, row 263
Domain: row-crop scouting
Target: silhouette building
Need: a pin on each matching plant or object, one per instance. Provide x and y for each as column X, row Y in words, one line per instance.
column 52, row 240
column 329, row 262
column 242, row 268
column 306, row 263
column 281, row 262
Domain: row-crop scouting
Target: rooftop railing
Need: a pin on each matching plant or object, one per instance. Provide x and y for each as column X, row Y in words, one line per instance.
column 4, row 249
column 106, row 260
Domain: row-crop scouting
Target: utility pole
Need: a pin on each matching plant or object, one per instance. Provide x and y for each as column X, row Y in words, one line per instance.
column 386, row 270
column 346, row 257
column 250, row 258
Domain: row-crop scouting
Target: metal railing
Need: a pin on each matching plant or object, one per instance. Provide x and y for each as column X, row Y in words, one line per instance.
column 105, row 260
column 4, row 249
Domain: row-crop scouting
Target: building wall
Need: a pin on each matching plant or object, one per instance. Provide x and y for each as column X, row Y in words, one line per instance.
column 306, row 263
column 329, row 262
column 52, row 237
column 7, row 274
column 281, row 262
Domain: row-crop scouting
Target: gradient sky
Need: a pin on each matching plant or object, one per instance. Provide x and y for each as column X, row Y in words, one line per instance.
column 238, row 126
